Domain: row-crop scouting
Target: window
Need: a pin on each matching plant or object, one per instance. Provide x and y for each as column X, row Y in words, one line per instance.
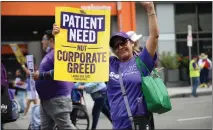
column 204, row 17
column 183, row 49
column 205, row 35
column 205, row 46
column 199, row 15
column 185, row 14
column 13, row 31
column 184, row 36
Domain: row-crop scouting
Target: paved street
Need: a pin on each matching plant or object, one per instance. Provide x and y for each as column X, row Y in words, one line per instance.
column 187, row 113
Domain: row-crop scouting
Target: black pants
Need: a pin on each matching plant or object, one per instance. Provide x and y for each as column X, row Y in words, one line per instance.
column 144, row 122
column 204, row 76
column 100, row 105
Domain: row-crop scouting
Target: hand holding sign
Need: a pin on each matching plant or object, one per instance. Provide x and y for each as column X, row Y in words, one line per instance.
column 36, row 75
column 56, row 29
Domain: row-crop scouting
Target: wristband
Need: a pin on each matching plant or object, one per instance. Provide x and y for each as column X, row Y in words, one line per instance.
column 41, row 76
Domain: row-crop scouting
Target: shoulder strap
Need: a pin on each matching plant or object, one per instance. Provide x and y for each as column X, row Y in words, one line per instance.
column 139, row 63
column 125, row 98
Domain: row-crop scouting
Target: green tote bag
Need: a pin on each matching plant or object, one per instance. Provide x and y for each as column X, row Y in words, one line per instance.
column 154, row 90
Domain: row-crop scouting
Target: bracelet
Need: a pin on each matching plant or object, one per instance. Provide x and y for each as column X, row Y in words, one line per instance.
column 151, row 14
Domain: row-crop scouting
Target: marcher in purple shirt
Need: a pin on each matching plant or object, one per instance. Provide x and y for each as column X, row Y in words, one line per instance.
column 4, row 82
column 122, row 47
column 4, row 87
column 55, row 96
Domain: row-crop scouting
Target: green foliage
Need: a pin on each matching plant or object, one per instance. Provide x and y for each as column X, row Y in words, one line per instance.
column 169, row 61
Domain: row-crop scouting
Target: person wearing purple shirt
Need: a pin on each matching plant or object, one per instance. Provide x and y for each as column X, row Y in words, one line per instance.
column 4, row 87
column 122, row 47
column 4, row 83
column 55, row 96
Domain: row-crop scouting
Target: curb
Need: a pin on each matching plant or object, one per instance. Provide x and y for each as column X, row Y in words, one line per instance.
column 188, row 94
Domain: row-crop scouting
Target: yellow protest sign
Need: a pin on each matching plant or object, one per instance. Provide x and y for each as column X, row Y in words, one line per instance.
column 82, row 46
column 19, row 56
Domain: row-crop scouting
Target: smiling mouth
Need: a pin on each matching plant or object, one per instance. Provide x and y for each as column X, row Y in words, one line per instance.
column 122, row 51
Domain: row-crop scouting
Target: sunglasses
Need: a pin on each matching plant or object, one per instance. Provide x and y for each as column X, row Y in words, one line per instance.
column 121, row 42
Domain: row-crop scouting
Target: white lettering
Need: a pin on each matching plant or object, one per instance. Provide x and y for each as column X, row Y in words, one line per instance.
column 72, row 35
column 85, row 36
column 92, row 36
column 83, row 22
column 79, row 35
column 65, row 19
column 77, row 20
column 113, row 75
column 92, row 7
column 86, row 23
column 93, row 23
column 72, row 22
column 100, row 21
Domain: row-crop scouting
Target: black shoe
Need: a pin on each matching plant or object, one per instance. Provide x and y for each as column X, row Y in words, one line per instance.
column 195, row 95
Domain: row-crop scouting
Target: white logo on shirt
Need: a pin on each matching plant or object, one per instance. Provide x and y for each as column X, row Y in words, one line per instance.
column 3, row 108
column 130, row 70
column 114, row 76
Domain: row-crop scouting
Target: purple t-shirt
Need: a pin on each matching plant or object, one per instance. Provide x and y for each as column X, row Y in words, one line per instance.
column 48, row 89
column 3, row 76
column 132, row 83
column 4, row 82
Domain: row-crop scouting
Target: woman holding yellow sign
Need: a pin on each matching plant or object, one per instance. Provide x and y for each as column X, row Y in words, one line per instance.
column 125, row 74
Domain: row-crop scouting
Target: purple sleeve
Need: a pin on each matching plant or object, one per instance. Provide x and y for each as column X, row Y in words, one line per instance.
column 148, row 60
column 3, row 76
column 51, row 56
column 11, row 93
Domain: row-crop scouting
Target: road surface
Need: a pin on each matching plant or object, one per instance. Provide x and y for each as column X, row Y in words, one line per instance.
column 187, row 113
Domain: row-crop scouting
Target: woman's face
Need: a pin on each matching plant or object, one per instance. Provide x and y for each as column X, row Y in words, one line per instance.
column 123, row 48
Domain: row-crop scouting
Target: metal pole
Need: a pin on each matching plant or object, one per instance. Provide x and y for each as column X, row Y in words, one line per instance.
column 190, row 58
column 189, row 44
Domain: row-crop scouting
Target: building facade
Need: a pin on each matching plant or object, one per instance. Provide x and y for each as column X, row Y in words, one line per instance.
column 24, row 23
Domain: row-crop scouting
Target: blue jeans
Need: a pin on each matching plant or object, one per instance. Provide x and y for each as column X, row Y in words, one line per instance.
column 100, row 105
column 195, row 84
column 204, row 76
column 21, row 99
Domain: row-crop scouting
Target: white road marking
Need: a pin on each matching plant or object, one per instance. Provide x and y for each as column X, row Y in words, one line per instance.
column 195, row 118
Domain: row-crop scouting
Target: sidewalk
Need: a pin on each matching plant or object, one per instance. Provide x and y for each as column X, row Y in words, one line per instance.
column 186, row 91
